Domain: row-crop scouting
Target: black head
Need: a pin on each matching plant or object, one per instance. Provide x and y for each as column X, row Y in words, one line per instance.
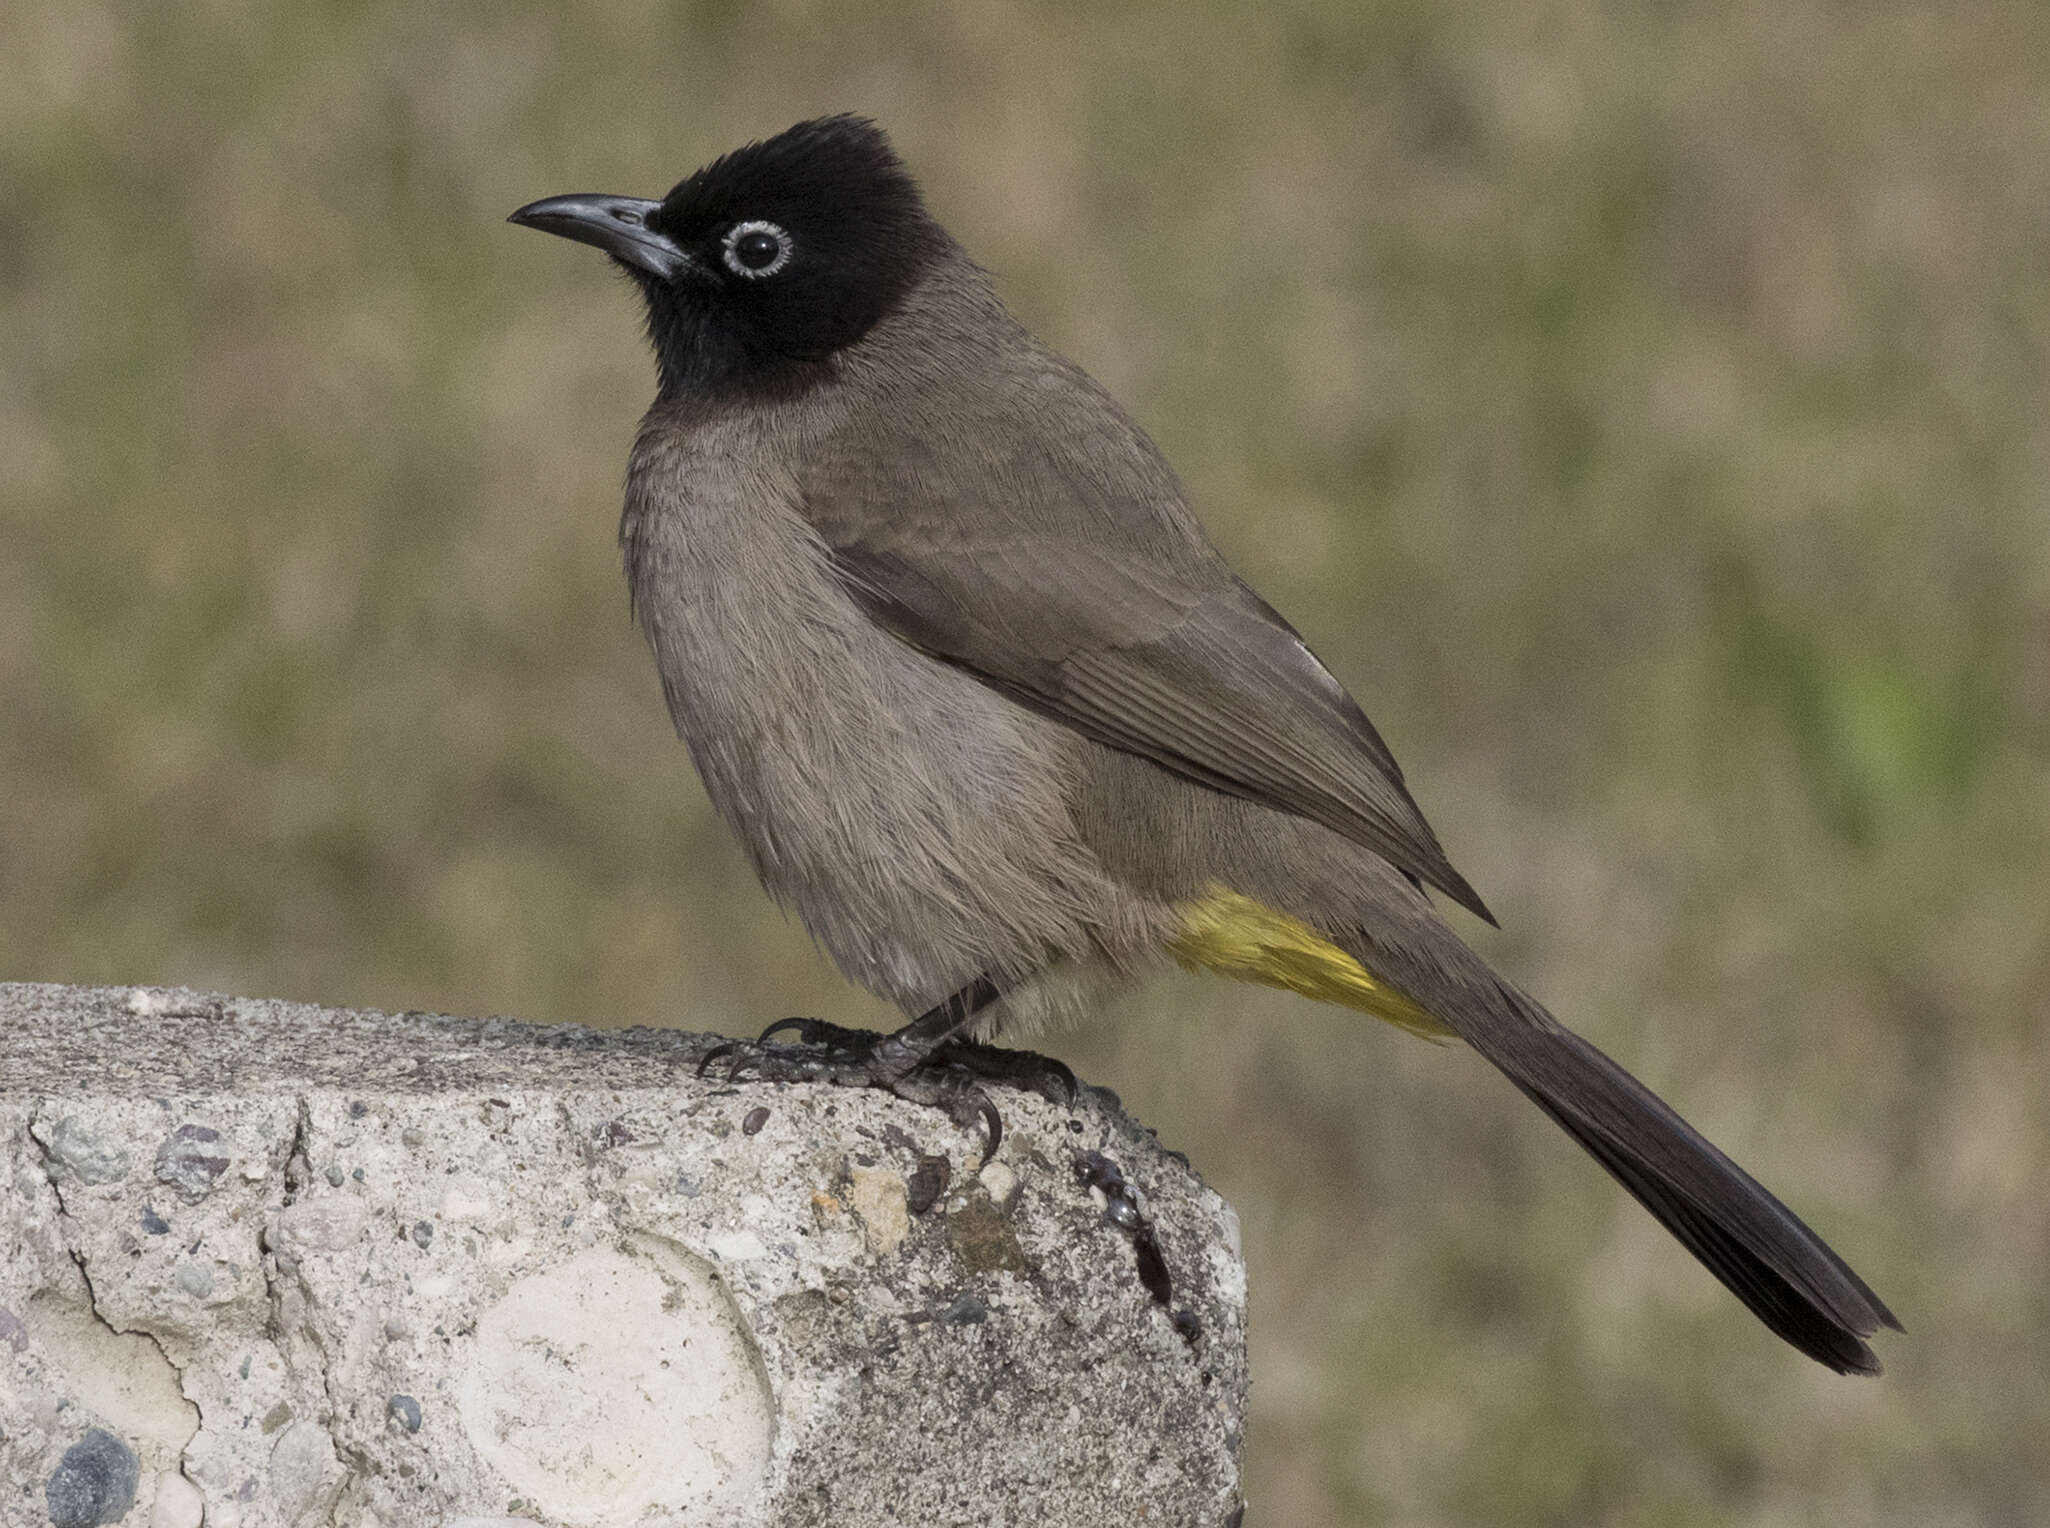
column 765, row 262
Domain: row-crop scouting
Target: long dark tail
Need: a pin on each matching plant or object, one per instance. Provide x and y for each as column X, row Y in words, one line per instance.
column 1758, row 1247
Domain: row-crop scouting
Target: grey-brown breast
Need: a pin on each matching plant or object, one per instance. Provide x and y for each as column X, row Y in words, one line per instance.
column 916, row 820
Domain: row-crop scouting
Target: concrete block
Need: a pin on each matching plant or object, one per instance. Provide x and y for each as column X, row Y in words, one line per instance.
column 267, row 1265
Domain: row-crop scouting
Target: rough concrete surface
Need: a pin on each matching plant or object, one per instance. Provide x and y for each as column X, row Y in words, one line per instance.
column 264, row 1263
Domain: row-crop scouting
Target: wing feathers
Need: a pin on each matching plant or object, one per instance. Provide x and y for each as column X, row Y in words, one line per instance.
column 1222, row 691
column 1019, row 525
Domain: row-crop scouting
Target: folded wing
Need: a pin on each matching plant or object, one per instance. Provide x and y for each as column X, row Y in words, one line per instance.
column 1060, row 566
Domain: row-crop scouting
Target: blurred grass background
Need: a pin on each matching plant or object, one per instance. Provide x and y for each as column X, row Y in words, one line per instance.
column 1643, row 408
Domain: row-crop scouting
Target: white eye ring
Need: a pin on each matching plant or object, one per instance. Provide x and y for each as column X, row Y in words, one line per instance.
column 739, row 231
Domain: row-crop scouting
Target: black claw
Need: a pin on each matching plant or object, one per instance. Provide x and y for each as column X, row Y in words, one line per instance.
column 802, row 1026
column 964, row 1102
column 712, row 1055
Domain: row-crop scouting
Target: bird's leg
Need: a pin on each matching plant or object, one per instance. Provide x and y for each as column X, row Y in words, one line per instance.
column 928, row 1061
column 902, row 1050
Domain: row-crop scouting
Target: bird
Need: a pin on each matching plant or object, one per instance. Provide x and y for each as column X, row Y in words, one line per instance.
column 985, row 707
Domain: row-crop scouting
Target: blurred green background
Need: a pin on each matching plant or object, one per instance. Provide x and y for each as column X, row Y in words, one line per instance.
column 1645, row 409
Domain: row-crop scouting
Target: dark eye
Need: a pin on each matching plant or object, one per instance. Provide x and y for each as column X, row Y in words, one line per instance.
column 756, row 249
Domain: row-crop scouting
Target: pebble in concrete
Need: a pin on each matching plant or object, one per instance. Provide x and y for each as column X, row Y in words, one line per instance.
column 87, row 1155
column 179, row 1503
column 190, row 1159
column 93, row 1483
column 303, row 1469
column 653, row 1345
column 196, row 1279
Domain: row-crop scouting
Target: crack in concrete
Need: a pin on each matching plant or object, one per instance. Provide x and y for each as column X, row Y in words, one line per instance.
column 297, row 1340
column 110, row 1377
column 79, row 1261
column 298, row 1159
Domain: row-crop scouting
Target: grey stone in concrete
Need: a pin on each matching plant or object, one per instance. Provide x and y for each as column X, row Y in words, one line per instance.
column 268, row 1264
column 189, row 1161
column 93, row 1483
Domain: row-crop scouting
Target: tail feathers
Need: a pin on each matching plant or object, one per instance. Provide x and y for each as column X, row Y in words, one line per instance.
column 1764, row 1254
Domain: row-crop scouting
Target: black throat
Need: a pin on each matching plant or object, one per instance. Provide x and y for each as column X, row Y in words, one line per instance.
column 700, row 352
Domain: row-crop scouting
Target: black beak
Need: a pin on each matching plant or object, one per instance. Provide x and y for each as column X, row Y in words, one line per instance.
column 616, row 224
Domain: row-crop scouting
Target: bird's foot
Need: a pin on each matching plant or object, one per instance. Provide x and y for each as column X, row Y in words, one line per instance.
column 950, row 1077
column 1027, row 1071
